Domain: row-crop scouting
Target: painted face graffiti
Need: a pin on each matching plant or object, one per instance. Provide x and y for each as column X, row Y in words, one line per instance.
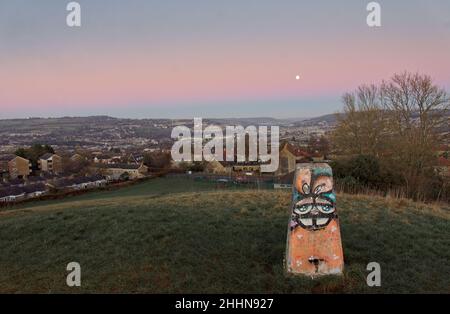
column 314, row 245
column 314, row 200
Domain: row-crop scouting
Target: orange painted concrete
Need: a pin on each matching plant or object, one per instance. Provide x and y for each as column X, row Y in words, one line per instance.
column 314, row 249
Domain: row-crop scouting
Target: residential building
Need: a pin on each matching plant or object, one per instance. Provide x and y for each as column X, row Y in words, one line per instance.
column 136, row 158
column 115, row 171
column 217, row 167
column 12, row 194
column 289, row 157
column 19, row 193
column 19, row 168
column 78, row 183
column 50, row 163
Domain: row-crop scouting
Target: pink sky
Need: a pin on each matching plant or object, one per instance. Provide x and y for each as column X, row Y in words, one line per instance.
column 129, row 77
column 93, row 71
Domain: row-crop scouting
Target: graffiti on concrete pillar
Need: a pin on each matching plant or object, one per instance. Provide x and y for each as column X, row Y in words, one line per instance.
column 314, row 241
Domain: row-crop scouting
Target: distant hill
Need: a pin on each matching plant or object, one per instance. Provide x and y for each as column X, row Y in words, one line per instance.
column 329, row 119
column 248, row 121
column 107, row 119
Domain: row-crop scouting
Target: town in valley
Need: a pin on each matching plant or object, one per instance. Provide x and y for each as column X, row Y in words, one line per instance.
column 55, row 156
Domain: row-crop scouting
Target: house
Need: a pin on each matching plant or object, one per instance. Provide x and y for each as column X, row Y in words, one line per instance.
column 19, row 193
column 98, row 180
column 217, row 167
column 35, row 190
column 50, row 163
column 78, row 183
column 288, row 160
column 19, row 167
column 115, row 171
column 135, row 159
column 12, row 194
column 89, row 182
column 289, row 157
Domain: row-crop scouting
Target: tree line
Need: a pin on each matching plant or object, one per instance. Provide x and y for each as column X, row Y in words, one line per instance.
column 388, row 135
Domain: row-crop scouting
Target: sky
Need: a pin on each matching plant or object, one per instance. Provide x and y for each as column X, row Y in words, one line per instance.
column 210, row 58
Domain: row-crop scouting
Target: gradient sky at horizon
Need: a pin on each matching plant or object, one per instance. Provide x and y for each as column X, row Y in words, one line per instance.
column 234, row 58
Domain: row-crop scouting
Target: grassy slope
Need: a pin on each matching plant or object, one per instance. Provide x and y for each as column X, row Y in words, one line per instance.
column 141, row 239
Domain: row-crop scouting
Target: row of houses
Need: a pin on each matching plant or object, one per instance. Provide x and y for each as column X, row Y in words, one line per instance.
column 19, row 193
column 289, row 156
column 118, row 171
column 15, row 193
column 21, row 185
column 78, row 183
column 132, row 158
column 21, row 168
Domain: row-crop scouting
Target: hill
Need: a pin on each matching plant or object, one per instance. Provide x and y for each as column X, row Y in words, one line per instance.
column 201, row 240
column 330, row 119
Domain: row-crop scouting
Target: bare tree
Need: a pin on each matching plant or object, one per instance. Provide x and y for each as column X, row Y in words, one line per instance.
column 400, row 122
column 361, row 127
column 417, row 110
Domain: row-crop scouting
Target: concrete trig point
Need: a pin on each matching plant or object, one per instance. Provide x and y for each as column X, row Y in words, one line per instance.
column 314, row 240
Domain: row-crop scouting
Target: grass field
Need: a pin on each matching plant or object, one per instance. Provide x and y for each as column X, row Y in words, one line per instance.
column 181, row 236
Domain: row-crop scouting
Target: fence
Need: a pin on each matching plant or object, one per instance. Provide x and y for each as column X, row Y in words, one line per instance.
column 257, row 181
